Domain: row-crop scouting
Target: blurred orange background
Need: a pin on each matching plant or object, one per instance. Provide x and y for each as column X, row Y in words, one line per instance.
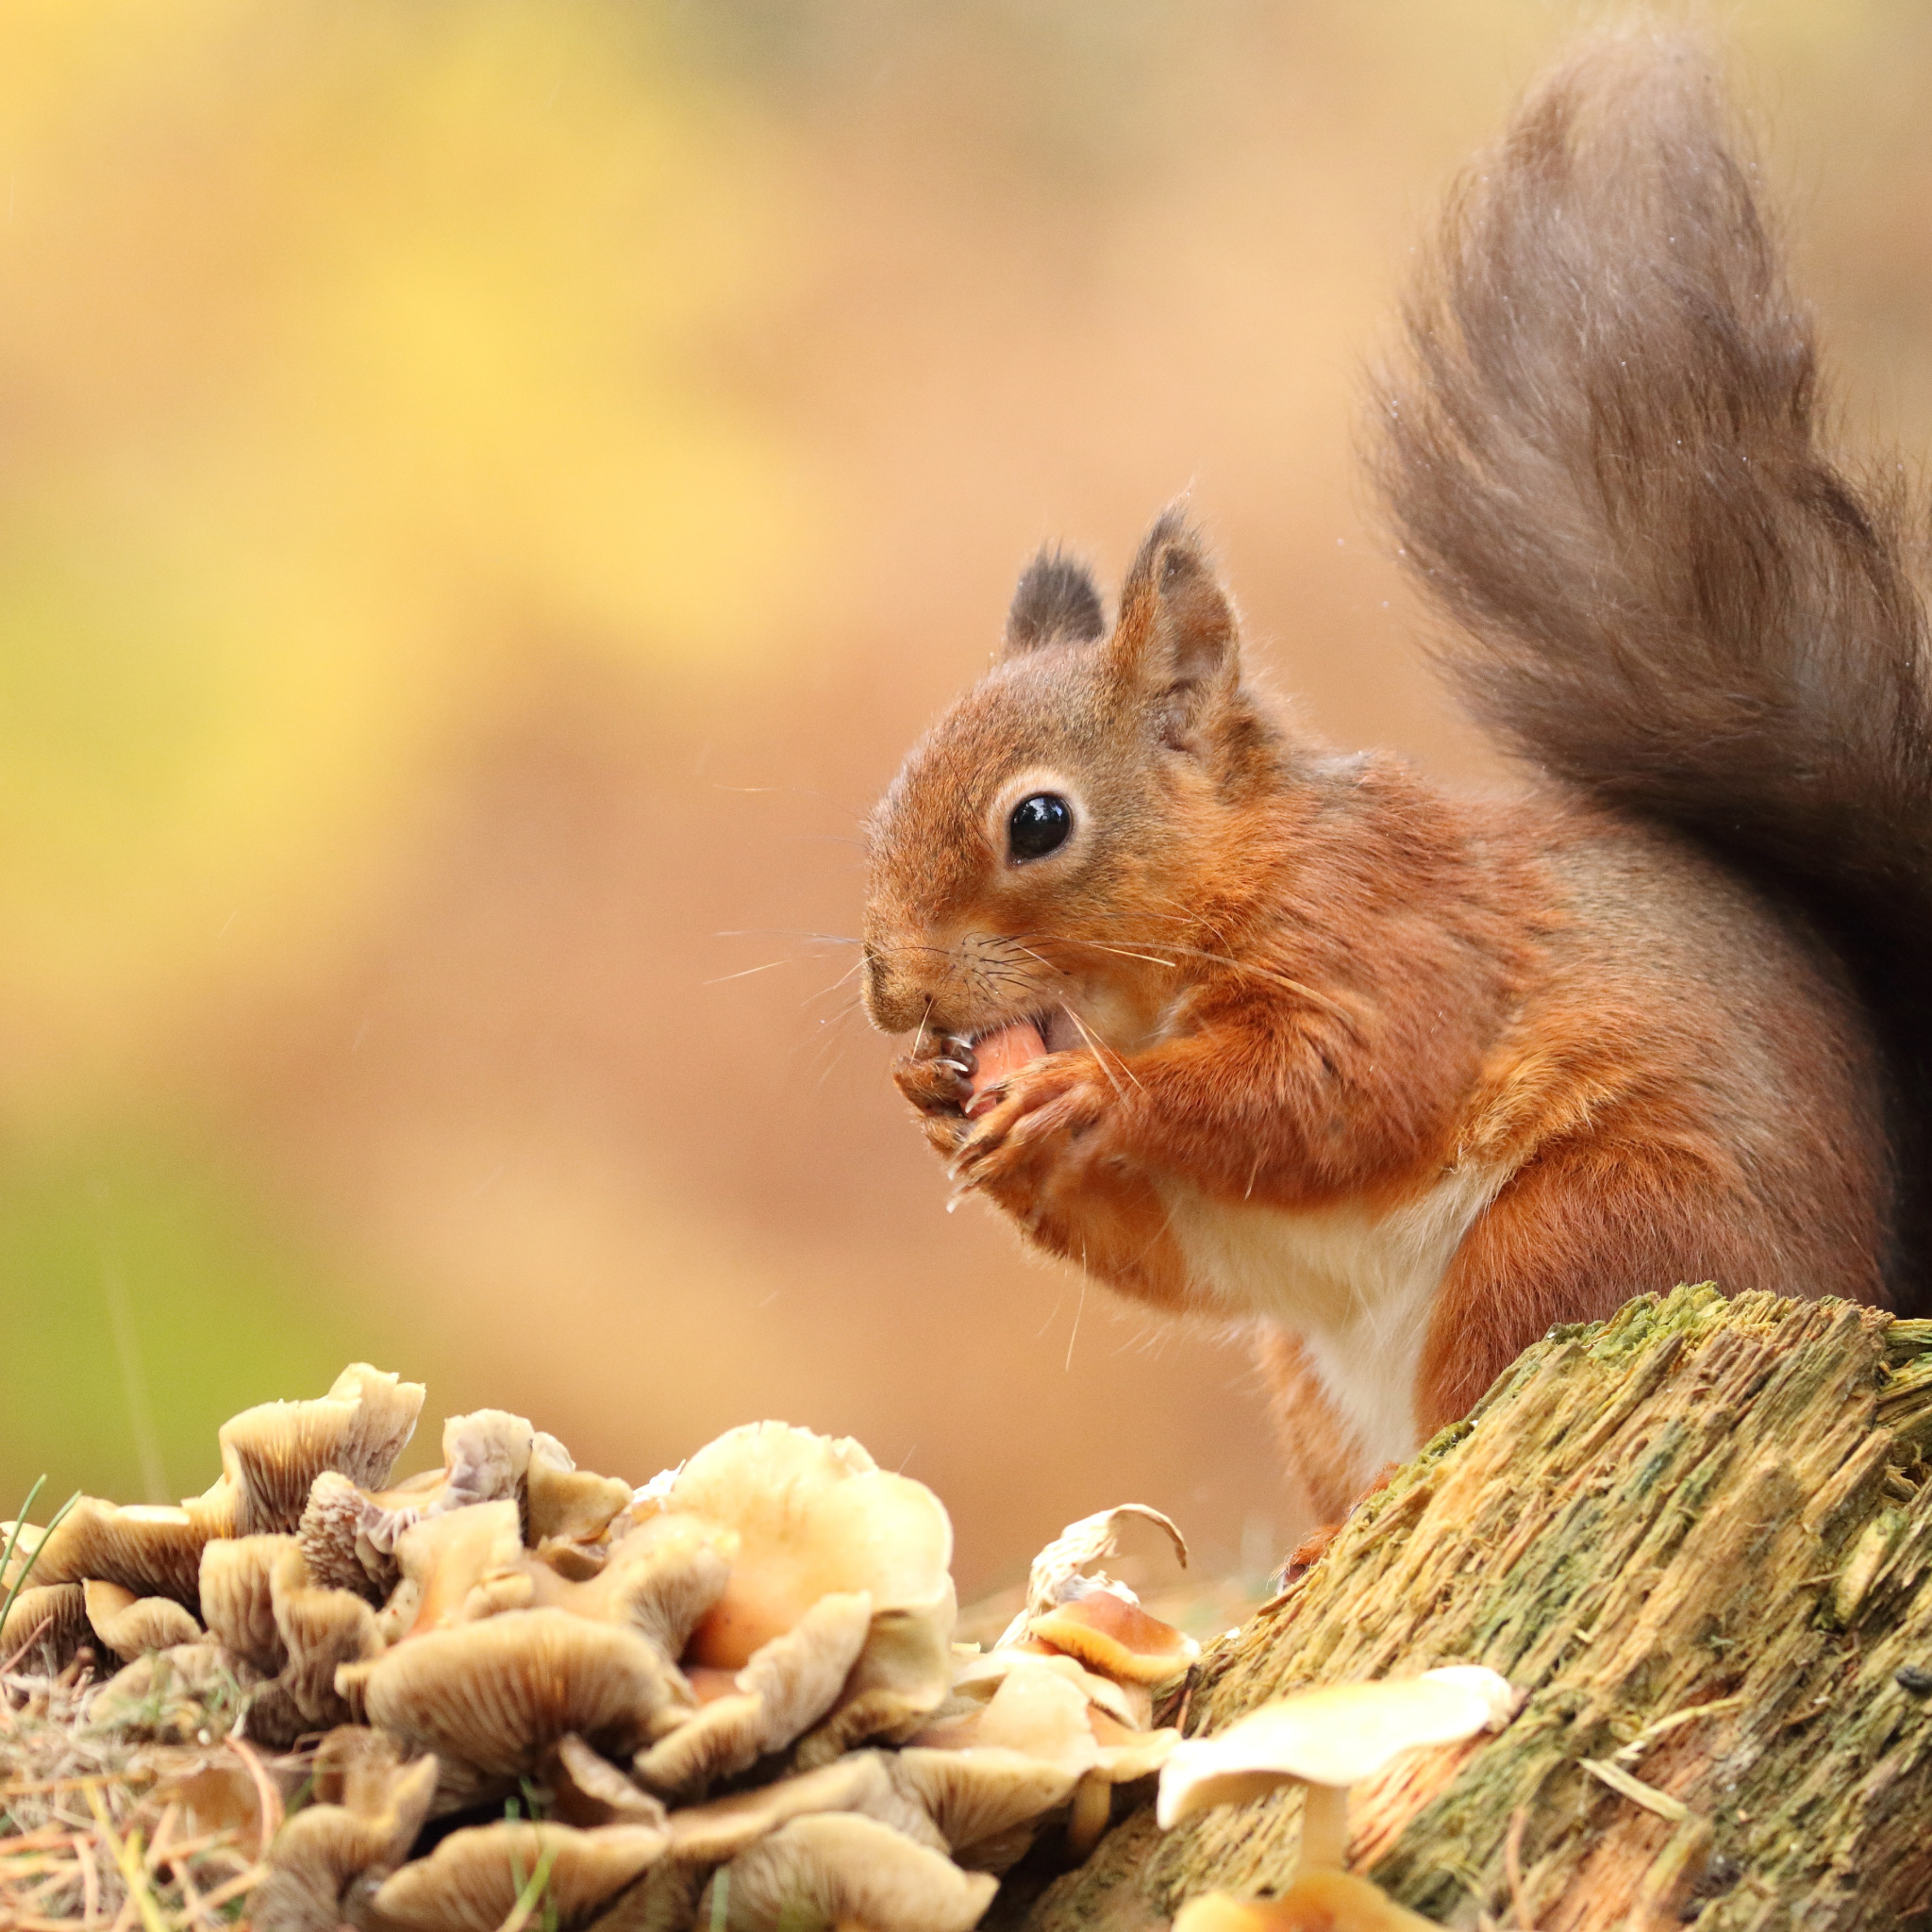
column 488, row 492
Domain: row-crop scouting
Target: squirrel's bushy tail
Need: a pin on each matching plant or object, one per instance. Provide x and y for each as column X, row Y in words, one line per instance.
column 1604, row 462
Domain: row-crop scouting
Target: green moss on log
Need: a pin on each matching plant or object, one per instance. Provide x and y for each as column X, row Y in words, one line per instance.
column 1697, row 1536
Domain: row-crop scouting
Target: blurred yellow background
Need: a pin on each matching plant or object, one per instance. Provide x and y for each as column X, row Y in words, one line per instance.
column 489, row 490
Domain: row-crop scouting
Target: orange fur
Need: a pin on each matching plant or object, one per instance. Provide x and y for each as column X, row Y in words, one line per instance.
column 1401, row 1080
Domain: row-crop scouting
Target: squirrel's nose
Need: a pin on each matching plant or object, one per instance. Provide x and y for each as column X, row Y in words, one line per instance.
column 893, row 1004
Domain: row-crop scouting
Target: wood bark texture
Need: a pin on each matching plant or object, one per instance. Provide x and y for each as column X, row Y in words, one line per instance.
column 1698, row 1537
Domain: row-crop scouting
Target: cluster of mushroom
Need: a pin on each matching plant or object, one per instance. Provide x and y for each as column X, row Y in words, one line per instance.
column 728, row 1698
column 1325, row 1740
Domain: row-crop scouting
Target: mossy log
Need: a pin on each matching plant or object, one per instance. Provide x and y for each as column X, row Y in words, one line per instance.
column 1698, row 1537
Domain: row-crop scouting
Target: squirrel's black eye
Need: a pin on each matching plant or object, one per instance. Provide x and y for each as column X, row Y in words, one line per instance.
column 1038, row 825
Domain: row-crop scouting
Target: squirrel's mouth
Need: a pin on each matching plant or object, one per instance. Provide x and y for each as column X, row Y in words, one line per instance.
column 1055, row 1026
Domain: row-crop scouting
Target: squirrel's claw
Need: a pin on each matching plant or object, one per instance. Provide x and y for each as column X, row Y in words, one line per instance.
column 936, row 1083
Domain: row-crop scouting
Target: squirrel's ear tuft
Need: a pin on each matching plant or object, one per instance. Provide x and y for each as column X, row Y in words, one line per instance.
column 1177, row 638
column 1056, row 602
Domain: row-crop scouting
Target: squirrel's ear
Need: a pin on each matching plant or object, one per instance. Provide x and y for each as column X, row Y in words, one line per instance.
column 1176, row 637
column 1056, row 602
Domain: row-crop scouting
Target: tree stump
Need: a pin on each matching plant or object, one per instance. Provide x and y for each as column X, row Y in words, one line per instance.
column 1696, row 1536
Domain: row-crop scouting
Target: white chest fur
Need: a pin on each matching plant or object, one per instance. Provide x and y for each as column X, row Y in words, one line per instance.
column 1356, row 1286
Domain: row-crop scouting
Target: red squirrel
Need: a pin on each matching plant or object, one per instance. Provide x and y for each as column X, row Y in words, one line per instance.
column 1402, row 1078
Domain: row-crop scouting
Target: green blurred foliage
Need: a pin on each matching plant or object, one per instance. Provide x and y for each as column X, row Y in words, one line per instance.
column 149, row 1297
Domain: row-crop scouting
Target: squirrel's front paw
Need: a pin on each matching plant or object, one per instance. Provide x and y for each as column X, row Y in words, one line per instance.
column 937, row 1080
column 1041, row 1113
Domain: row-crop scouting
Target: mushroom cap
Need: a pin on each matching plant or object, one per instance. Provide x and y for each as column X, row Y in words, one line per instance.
column 462, row 1564
column 839, row 1868
column 152, row 1549
column 327, row 1849
column 813, row 1516
column 1332, row 1735
column 789, row 1684
column 132, row 1625
column 271, row 1454
column 863, row 1781
column 975, row 1679
column 567, row 1502
column 1115, row 1637
column 237, row 1600
column 472, row 1881
column 338, row 1552
column 588, row 1789
column 979, row 1794
column 1322, row 1900
column 495, row 1695
column 659, row 1578
column 321, row 1629
column 46, row 1620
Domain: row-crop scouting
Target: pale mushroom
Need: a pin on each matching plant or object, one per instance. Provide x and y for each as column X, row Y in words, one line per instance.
column 866, row 1782
column 812, row 1517
column 236, row 1598
column 787, row 1685
column 496, row 1695
column 132, row 1625
column 1319, row 1901
column 326, row 1860
column 336, row 1551
column 841, row 1871
column 1326, row 1738
column 975, row 1679
column 474, row 1879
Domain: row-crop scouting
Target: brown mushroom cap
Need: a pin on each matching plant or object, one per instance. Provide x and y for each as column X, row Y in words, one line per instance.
column 496, row 1695
column 271, row 1454
column 980, row 1794
column 237, row 1600
column 328, row 1853
column 459, row 1565
column 789, row 1684
column 46, row 1621
column 150, row 1549
column 588, row 1789
column 1112, row 1634
column 321, row 1630
column 566, row 1502
column 132, row 1625
column 839, row 1868
column 474, row 1878
column 863, row 1781
column 659, row 1578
